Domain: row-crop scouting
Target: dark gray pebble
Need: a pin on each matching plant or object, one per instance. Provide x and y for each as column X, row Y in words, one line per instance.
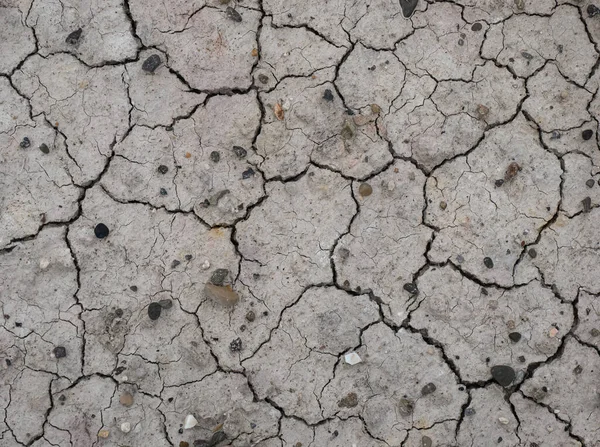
column 408, row 7
column 215, row 156
column 470, row 411
column 175, row 263
column 428, row 389
column 152, row 63
column 590, row 183
column 154, row 310
column 166, row 304
column 162, row 169
column 188, row 257
column 488, row 262
column 499, row 183
column 521, row 359
column 532, row 253
column 25, row 143
column 236, row 345
column 101, row 231
column 514, row 336
column 163, row 192
column 593, row 10
column 461, row 42
column 60, row 352
column 578, row 369
column 503, row 374
column 328, row 95
column 526, row 55
column 44, row 148
column 250, row 316
column 239, row 151
column 233, row 14
column 587, row 134
column 411, row 288
column 476, row 27
column 119, row 312
column 201, row 442
column 133, row 288
column 426, row 441
column 248, row 173
column 587, row 204
column 219, row 276
column 217, row 437
column 73, row 38
column 263, row 78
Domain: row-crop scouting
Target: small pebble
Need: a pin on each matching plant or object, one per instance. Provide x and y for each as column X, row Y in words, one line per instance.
column 184, row 444
column 443, row 205
column 594, row 332
column 205, row 265
column 152, row 63
column 406, row 407
column 233, row 14
column 166, row 304
column 250, row 316
column 215, row 156
column 587, row 204
column 593, row 10
column 162, row 169
column 248, row 173
column 60, row 352
column 352, row 358
column 476, row 27
column 236, row 345
column 411, row 288
column 521, row 359
column 25, row 143
column 328, row 95
column 365, row 190
column 470, row 411
column 189, row 422
column 503, row 374
column 590, row 183
column 101, row 231
column 426, row 441
column 219, row 276
column 163, row 192
column 103, row 434
column 175, row 263
column 552, row 332
column 488, row 262
column 503, row 420
column 532, row 253
column 73, row 38
column 217, row 438
column 126, row 427
column 514, row 336
column 428, row 389
column 460, row 259
column 499, row 183
column 263, row 78
column 526, row 55
column 239, row 151
column 44, row 148
column 578, row 369
column 587, row 134
column 349, row 401
column 154, row 310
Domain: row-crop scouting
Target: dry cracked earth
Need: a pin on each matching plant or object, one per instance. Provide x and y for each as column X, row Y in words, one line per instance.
column 299, row 223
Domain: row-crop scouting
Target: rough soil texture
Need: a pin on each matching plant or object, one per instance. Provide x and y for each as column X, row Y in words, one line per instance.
column 299, row 223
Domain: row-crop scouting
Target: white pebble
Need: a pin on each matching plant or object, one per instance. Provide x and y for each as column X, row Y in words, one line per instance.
column 503, row 420
column 44, row 263
column 190, row 422
column 125, row 427
column 391, row 185
column 286, row 105
column 352, row 358
column 205, row 265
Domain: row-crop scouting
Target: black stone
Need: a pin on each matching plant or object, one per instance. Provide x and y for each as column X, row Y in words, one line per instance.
column 578, row 369
column 408, row 7
column 152, row 63
column 60, row 352
column 488, row 262
column 101, row 231
column 163, row 192
column 263, row 78
column 526, row 55
column 521, row 359
column 248, row 173
column 476, row 27
column 499, row 183
column 593, row 10
column 62, row 398
column 590, row 183
column 239, row 151
column 73, row 38
column 328, row 95
column 514, row 336
column 175, row 263
column 44, row 148
column 532, row 253
column 119, row 312
column 411, row 288
column 163, row 169
column 219, row 276
column 188, row 257
column 133, row 288
column 503, row 374
column 587, row 134
column 154, row 310
column 236, row 345
column 233, row 14
column 428, row 389
column 587, row 204
column 25, row 143
column 215, row 156
column 470, row 411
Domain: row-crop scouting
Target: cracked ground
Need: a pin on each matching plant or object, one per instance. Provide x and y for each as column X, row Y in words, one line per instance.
column 299, row 223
